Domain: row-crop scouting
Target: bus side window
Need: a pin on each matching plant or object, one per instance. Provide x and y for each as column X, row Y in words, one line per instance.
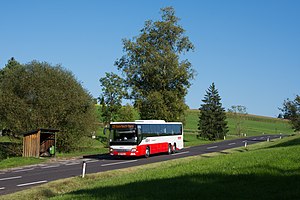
column 139, row 133
column 162, row 130
column 176, row 129
column 169, row 129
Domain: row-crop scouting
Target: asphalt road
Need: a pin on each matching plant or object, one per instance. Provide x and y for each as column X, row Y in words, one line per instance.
column 23, row 178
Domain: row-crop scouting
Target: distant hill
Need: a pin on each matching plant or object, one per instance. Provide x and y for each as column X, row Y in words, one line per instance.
column 252, row 124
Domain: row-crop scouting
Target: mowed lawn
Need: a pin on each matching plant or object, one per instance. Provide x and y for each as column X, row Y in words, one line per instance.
column 268, row 170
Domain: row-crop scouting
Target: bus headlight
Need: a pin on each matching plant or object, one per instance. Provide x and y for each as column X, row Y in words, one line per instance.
column 133, row 150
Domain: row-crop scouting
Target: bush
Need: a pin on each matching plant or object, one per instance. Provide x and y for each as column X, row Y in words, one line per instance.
column 38, row 95
column 10, row 149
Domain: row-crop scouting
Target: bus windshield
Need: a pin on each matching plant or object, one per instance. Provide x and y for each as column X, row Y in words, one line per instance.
column 123, row 136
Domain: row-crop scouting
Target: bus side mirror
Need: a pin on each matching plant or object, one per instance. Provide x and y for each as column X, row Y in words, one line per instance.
column 104, row 131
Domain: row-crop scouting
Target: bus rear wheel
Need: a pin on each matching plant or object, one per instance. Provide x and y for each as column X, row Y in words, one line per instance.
column 147, row 153
column 174, row 148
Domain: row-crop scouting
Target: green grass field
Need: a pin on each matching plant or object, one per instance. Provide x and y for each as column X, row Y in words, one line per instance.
column 252, row 125
column 268, row 170
column 20, row 161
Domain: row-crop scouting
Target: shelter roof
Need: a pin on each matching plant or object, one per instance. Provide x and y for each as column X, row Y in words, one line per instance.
column 43, row 131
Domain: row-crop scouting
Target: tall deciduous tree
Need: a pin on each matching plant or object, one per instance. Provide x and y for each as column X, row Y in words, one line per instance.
column 113, row 92
column 291, row 111
column 239, row 113
column 38, row 95
column 212, row 117
column 128, row 114
column 157, row 79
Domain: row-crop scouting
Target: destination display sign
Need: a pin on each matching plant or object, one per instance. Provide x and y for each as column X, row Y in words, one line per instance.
column 122, row 126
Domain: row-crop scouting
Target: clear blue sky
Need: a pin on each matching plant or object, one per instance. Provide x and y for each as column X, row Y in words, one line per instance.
column 249, row 48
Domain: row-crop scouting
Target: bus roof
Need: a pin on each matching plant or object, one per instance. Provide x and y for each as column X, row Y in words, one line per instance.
column 147, row 122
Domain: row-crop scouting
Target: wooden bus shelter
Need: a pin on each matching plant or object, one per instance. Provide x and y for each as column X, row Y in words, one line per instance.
column 39, row 142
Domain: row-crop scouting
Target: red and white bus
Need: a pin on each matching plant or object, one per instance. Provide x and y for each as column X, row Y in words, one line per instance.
column 145, row 137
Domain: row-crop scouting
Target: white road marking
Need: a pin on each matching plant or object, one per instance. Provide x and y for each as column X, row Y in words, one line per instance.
column 92, row 161
column 2, row 188
column 254, row 138
column 32, row 183
column 24, row 170
column 231, row 143
column 213, row 147
column 41, row 165
column 69, row 164
column 244, row 141
column 9, row 178
column 180, row 153
column 51, row 166
column 261, row 137
column 118, row 163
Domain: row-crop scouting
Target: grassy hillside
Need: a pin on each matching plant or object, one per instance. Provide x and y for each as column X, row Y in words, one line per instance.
column 269, row 170
column 252, row 125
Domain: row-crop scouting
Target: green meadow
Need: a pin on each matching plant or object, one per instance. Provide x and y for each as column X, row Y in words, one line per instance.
column 268, row 170
column 251, row 125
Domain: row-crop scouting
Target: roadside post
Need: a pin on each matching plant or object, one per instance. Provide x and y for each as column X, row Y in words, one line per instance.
column 268, row 139
column 83, row 168
column 245, row 144
column 280, row 137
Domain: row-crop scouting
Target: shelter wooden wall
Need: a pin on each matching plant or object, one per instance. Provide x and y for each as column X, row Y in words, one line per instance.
column 31, row 145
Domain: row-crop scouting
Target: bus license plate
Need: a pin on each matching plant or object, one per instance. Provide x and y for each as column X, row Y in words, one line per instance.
column 121, row 154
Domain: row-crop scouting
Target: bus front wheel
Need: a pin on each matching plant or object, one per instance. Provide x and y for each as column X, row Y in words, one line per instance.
column 147, row 153
column 170, row 149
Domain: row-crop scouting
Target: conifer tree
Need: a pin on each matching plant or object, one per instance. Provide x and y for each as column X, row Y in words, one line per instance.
column 212, row 118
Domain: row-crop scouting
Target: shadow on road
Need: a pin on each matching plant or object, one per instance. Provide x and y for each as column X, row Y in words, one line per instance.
column 109, row 157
